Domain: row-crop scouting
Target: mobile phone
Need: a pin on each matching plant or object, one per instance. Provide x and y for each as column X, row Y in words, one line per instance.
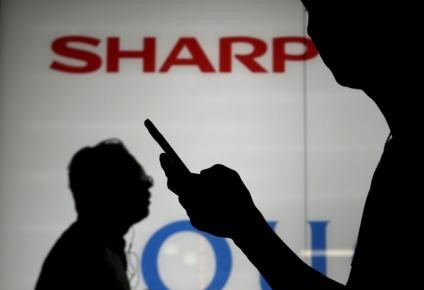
column 165, row 146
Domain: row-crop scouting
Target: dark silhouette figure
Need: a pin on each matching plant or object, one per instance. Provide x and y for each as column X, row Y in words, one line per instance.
column 111, row 193
column 367, row 45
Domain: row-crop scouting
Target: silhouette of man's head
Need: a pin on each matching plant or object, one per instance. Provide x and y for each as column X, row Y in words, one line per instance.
column 361, row 42
column 109, row 186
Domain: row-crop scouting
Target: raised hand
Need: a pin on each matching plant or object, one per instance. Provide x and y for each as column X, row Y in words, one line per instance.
column 216, row 200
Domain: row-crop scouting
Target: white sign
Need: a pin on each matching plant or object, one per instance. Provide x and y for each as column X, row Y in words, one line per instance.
column 235, row 82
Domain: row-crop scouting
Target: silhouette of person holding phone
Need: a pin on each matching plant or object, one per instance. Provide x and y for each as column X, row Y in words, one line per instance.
column 367, row 45
column 111, row 193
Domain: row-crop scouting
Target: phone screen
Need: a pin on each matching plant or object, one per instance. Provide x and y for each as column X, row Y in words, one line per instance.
column 165, row 145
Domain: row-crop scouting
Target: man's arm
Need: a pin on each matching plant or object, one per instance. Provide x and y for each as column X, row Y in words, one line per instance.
column 217, row 202
column 277, row 263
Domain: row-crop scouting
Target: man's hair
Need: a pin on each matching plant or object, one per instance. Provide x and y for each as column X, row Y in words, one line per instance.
column 95, row 172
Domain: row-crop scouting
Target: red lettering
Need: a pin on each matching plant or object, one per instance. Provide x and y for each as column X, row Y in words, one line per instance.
column 77, row 55
column 280, row 56
column 249, row 60
column 63, row 46
column 198, row 56
column 148, row 54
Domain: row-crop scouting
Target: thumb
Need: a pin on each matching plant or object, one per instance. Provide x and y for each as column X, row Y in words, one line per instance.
column 165, row 163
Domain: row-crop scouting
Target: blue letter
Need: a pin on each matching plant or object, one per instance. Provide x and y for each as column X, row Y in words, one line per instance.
column 319, row 245
column 149, row 265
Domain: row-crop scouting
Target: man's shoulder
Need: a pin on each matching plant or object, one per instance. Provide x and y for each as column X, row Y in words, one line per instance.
column 74, row 244
column 74, row 257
